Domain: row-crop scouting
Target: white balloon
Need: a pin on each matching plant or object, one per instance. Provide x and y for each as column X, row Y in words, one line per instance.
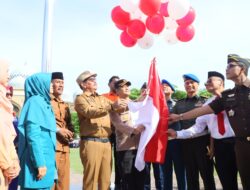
column 177, row 9
column 138, row 14
column 128, row 5
column 170, row 24
column 170, row 36
column 164, row 1
column 136, row 2
column 146, row 41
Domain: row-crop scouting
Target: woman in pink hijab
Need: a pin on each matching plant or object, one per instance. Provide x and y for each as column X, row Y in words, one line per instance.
column 9, row 163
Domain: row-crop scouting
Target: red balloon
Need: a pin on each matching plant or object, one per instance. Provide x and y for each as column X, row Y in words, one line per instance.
column 185, row 33
column 119, row 16
column 150, row 7
column 136, row 29
column 188, row 19
column 155, row 24
column 164, row 9
column 121, row 27
column 126, row 40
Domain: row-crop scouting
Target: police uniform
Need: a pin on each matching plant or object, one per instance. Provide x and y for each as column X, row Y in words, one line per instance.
column 236, row 102
column 223, row 137
column 195, row 149
column 173, row 158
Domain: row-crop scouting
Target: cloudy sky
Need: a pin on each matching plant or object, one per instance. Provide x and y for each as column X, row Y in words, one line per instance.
column 84, row 38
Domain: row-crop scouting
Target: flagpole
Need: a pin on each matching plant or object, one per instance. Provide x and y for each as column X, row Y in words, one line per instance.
column 47, row 35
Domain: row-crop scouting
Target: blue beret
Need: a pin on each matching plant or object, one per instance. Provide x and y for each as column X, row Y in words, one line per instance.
column 191, row 77
column 164, row 81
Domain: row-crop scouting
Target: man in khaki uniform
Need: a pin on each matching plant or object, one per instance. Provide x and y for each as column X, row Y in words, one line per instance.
column 111, row 95
column 95, row 130
column 64, row 132
column 127, row 142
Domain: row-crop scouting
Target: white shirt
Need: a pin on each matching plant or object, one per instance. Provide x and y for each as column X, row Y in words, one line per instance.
column 209, row 120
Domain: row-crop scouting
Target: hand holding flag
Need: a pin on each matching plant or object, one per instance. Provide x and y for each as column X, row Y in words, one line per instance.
column 153, row 114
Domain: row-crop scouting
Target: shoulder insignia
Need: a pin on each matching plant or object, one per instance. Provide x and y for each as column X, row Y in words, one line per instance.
column 231, row 95
column 227, row 92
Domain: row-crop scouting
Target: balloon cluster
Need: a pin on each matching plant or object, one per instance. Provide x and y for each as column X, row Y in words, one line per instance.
column 139, row 20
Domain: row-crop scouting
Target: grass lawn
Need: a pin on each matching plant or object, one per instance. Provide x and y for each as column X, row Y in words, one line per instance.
column 75, row 161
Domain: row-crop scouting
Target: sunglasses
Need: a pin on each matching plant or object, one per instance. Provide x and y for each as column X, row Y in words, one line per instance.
column 229, row 66
column 9, row 94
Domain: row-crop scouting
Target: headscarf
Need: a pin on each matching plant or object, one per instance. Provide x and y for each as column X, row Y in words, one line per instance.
column 4, row 65
column 5, row 105
column 37, row 108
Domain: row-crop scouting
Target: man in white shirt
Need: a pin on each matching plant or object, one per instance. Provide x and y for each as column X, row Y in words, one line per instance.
column 221, row 133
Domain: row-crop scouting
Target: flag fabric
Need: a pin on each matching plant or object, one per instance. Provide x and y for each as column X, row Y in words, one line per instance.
column 153, row 114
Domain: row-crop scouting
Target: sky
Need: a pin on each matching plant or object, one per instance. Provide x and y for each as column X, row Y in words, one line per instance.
column 85, row 38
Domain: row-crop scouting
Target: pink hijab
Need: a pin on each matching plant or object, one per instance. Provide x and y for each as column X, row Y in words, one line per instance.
column 6, row 108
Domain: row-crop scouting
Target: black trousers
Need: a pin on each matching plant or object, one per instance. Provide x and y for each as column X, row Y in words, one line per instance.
column 226, row 163
column 196, row 161
column 131, row 178
column 242, row 150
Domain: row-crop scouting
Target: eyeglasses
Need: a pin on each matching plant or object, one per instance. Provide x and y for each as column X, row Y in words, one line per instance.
column 9, row 94
column 229, row 66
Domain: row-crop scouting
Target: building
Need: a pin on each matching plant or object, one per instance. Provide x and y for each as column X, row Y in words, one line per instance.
column 17, row 80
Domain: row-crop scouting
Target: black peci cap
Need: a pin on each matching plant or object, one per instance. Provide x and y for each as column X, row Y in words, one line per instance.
column 215, row 74
column 57, row 75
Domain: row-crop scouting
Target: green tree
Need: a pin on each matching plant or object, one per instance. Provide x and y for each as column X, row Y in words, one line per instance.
column 179, row 94
column 205, row 93
column 134, row 94
column 75, row 122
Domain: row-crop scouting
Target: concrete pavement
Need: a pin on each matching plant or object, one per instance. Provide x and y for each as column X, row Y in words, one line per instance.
column 76, row 182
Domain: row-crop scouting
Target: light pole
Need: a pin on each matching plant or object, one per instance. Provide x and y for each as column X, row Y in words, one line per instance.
column 47, row 35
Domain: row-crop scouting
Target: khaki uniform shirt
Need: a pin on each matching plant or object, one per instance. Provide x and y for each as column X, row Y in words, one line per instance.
column 93, row 113
column 63, row 120
column 236, row 103
column 125, row 140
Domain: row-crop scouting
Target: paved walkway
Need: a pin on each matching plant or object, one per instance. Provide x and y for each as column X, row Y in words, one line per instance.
column 76, row 182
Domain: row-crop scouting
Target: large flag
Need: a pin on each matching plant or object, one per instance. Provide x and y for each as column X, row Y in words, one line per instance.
column 153, row 114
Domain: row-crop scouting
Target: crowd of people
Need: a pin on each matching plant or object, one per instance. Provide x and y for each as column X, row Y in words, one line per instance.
column 204, row 134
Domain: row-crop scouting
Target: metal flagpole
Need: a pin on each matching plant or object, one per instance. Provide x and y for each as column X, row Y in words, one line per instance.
column 47, row 35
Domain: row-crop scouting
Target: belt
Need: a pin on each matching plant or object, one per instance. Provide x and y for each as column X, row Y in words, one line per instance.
column 96, row 139
column 228, row 140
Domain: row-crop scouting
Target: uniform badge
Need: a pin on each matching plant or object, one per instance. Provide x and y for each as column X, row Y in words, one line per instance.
column 231, row 113
column 230, row 95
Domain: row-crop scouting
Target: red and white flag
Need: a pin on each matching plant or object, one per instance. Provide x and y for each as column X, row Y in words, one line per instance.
column 153, row 114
